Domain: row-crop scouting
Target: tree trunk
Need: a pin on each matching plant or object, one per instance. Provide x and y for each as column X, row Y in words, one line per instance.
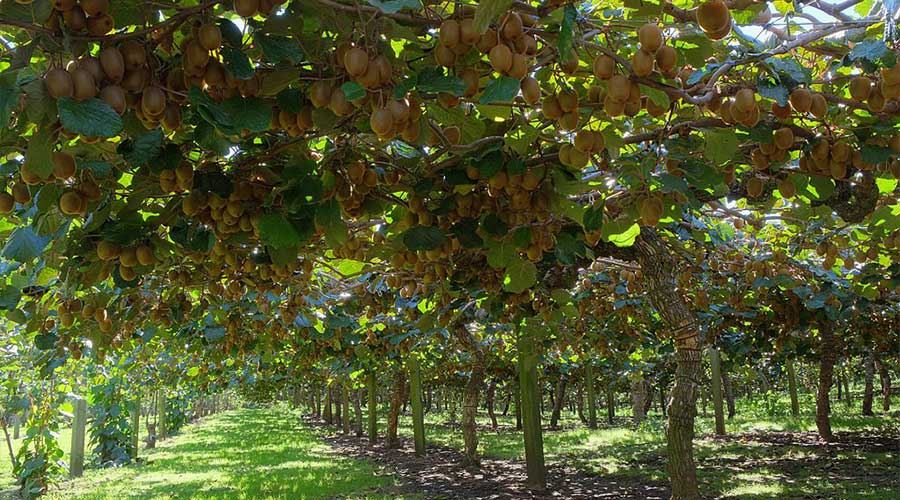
column 508, row 400
column 345, row 411
column 827, row 358
column 491, row 393
column 518, row 407
column 659, row 268
column 610, row 404
column 840, row 385
column 729, row 393
column 591, row 395
column 792, row 387
column 391, row 439
column 639, row 398
column 558, row 400
column 530, row 409
column 415, row 393
column 662, row 399
column 336, row 398
column 848, row 397
column 579, row 404
column 869, row 392
column 716, row 376
column 9, row 445
column 357, row 411
column 328, row 415
column 470, row 398
column 885, row 377
column 373, row 406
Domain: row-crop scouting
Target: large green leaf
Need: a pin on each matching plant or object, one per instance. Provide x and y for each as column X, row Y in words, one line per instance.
column 278, row 232
column 328, row 219
column 423, row 238
column 92, row 117
column 24, row 245
column 521, row 274
column 488, row 11
column 38, row 155
column 143, row 148
column 502, row 89
column 720, row 145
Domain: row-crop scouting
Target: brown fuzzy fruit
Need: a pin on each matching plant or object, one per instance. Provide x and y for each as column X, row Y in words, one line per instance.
column 145, row 255
column 133, row 53
column 320, row 93
column 666, row 58
column 568, row 101
column 531, row 90
column 107, row 250
column 467, row 32
column 21, row 193
column 781, row 112
column 714, row 18
column 551, row 108
column 112, row 63
column 63, row 165
column 94, row 7
column 75, row 19
column 453, row 134
column 650, row 37
column 860, row 88
column 784, row 138
column 618, row 88
column 63, row 5
column 7, row 203
column 356, row 62
column 743, row 101
column 642, row 63
column 246, row 8
column 519, row 67
column 83, row 84
column 584, row 141
column 755, row 187
column 100, row 25
column 59, row 83
column 818, row 107
column 511, row 26
column 114, row 95
column 604, row 67
column 70, row 203
column 500, row 58
column 382, row 122
column 651, row 210
column 787, row 188
column 153, row 101
column 800, row 100
column 449, row 33
column 209, row 36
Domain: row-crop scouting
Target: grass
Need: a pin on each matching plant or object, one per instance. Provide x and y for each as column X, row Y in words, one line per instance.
column 6, row 478
column 730, row 468
column 245, row 454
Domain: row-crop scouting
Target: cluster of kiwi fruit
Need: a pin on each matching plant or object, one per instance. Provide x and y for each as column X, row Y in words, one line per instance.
column 351, row 188
column 876, row 93
column 128, row 257
column 652, row 50
column 237, row 213
column 80, row 16
column 250, row 8
column 651, row 209
column 714, row 19
column 585, row 144
column 832, row 158
column 621, row 96
column 767, row 153
column 64, row 169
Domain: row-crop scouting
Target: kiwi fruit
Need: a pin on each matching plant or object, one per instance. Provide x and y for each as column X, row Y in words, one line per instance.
column 145, row 255
column 551, row 108
column 320, row 93
column 744, row 99
column 467, row 32
column 63, row 5
column 63, row 165
column 618, row 88
column 382, row 122
column 501, row 58
column 666, row 58
column 83, row 84
column 153, row 101
column 59, row 83
column 100, row 25
column 356, row 62
column 569, row 121
column 70, row 202
column 7, row 203
column 470, row 77
column 93, row 66
column 442, row 55
column 650, row 37
column 519, row 67
column 209, row 36
column 133, row 53
column 511, row 26
column 612, row 107
column 714, row 19
column 642, row 63
column 338, row 104
column 604, row 67
column 891, row 76
column 876, row 101
column 453, row 134
column 755, row 187
column 94, row 7
column 107, row 250
column 860, row 88
column 578, row 159
column 449, row 33
column 568, row 101
column 784, row 138
column 21, row 193
column 818, row 106
column 75, row 19
column 127, row 274
column 531, row 90
column 787, row 188
column 651, row 210
column 781, row 112
column 171, row 118
column 246, row 8
column 800, row 99
column 584, row 141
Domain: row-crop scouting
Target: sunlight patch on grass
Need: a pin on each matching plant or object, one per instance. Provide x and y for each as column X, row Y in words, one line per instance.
column 755, row 489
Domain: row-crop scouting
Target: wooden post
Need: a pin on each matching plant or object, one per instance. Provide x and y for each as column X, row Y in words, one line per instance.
column 610, row 403
column 345, row 403
column 591, row 395
column 373, row 406
column 531, row 413
column 792, row 387
column 16, row 425
column 715, row 364
column 135, row 428
column 161, row 431
column 415, row 394
column 79, row 421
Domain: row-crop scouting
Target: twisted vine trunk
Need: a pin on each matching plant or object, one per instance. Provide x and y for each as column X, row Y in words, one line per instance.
column 640, row 396
column 827, row 357
column 391, row 439
column 470, row 398
column 659, row 269
column 885, row 377
column 491, row 393
column 869, row 391
column 558, row 401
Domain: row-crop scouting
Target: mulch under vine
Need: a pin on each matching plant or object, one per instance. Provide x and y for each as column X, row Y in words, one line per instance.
column 440, row 475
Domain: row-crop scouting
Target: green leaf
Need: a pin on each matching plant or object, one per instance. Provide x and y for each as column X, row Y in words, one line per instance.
column 885, row 185
column 353, row 91
column 874, row 154
column 521, row 274
column 34, row 12
column 214, row 333
column 237, row 63
column 92, row 118
column 885, row 220
column 659, row 97
column 279, row 48
column 788, row 68
column 502, row 89
column 38, row 155
column 192, row 236
column 500, row 253
column 720, row 145
column 433, row 81
column 869, row 50
column 771, row 89
column 423, row 238
column 231, row 34
column 566, row 31
column 466, row 232
column 493, row 226
column 593, row 218
column 143, row 148
column 328, row 219
column 489, row 10
column 277, row 232
column 194, row 370
column 24, row 245
column 9, row 97
column 130, row 12
column 394, row 6
column 251, row 113
column 621, row 233
column 521, row 138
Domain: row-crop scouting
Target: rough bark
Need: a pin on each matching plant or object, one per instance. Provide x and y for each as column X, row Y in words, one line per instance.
column 518, row 408
column 491, row 393
column 357, row 411
column 470, row 397
column 345, row 410
column 639, row 397
column 848, row 397
column 792, row 387
column 591, row 395
column 869, row 392
column 372, row 400
column 529, row 408
column 418, row 414
column 729, row 392
column 558, row 400
column 659, row 269
column 397, row 392
column 885, row 377
column 338, row 401
column 610, row 404
column 579, row 404
column 827, row 358
column 715, row 365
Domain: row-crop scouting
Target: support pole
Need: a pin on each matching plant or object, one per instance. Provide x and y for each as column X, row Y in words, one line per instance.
column 161, row 432
column 135, row 428
column 531, row 413
column 715, row 364
column 591, row 394
column 792, row 387
column 415, row 394
column 373, row 406
column 79, row 422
